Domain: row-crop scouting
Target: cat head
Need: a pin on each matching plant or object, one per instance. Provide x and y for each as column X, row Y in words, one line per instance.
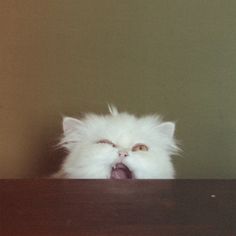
column 118, row 146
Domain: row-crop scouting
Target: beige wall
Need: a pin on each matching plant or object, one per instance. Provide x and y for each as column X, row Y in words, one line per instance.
column 176, row 58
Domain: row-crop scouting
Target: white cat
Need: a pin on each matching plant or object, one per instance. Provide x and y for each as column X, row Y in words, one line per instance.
column 118, row 146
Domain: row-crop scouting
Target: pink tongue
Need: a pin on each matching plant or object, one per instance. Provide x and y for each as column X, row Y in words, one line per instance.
column 120, row 172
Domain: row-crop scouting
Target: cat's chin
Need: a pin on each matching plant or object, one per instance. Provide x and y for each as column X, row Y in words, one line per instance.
column 121, row 171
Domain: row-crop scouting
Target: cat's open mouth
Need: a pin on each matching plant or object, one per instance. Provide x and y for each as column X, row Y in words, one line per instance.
column 121, row 171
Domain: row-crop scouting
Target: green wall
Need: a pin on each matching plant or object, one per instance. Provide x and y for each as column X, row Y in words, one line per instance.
column 175, row 58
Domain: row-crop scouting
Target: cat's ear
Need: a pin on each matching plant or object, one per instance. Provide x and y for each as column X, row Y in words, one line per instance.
column 70, row 124
column 167, row 129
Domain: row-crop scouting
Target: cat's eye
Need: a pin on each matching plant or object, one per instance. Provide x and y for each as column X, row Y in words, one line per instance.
column 106, row 141
column 139, row 147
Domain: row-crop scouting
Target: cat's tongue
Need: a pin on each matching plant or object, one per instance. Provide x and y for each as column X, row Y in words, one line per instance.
column 120, row 171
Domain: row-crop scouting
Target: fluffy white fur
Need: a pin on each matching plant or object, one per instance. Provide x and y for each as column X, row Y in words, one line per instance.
column 88, row 159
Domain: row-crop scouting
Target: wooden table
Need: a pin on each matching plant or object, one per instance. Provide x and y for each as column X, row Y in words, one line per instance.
column 105, row 207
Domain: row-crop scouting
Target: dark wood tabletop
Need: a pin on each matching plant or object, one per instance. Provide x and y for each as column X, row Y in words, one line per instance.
column 117, row 207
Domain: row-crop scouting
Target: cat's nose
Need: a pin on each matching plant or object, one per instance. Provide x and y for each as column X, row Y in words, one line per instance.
column 123, row 154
